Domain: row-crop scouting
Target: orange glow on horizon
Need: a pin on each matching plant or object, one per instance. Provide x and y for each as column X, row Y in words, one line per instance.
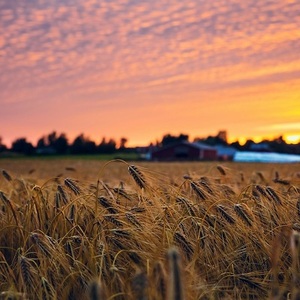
column 292, row 139
column 289, row 139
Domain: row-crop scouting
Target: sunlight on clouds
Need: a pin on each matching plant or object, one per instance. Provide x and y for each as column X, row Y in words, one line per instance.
column 292, row 139
column 141, row 53
column 284, row 127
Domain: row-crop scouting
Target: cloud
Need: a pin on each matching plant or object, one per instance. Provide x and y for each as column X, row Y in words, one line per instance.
column 295, row 126
column 91, row 51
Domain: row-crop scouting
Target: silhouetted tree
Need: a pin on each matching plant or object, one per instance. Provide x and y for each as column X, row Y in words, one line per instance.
column 111, row 146
column 83, row 145
column 236, row 145
column 279, row 145
column 183, row 137
column 22, row 146
column 51, row 138
column 41, row 143
column 212, row 140
column 52, row 143
column 169, row 139
column 2, row 146
column 77, row 147
column 107, row 147
column 247, row 145
column 90, row 147
column 123, row 142
column 61, row 144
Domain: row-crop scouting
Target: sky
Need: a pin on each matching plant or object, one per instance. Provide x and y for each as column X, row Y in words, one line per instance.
column 142, row 69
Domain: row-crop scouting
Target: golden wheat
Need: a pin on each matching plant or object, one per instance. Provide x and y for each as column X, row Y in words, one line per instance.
column 111, row 237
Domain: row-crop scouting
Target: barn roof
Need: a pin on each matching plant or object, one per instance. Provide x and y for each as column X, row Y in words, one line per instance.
column 199, row 146
column 202, row 146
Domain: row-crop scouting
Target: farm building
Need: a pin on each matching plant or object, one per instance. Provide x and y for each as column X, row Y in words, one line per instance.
column 184, row 151
column 225, row 152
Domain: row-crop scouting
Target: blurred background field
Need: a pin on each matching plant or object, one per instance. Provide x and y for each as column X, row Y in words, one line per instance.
column 88, row 168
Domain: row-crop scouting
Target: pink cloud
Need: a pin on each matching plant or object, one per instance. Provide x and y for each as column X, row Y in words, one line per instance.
column 94, row 51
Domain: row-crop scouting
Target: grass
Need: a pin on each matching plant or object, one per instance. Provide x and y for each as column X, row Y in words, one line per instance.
column 88, row 229
column 102, row 157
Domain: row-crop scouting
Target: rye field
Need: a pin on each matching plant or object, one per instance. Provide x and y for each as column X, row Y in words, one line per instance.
column 88, row 229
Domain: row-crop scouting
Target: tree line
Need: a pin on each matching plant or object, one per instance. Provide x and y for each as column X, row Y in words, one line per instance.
column 55, row 143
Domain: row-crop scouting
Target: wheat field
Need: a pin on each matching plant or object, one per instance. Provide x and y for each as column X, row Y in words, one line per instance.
column 73, row 229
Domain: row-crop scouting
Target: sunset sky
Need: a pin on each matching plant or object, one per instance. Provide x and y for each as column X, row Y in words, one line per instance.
column 141, row 69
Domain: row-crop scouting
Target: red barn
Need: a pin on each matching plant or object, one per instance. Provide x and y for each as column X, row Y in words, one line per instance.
column 185, row 151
